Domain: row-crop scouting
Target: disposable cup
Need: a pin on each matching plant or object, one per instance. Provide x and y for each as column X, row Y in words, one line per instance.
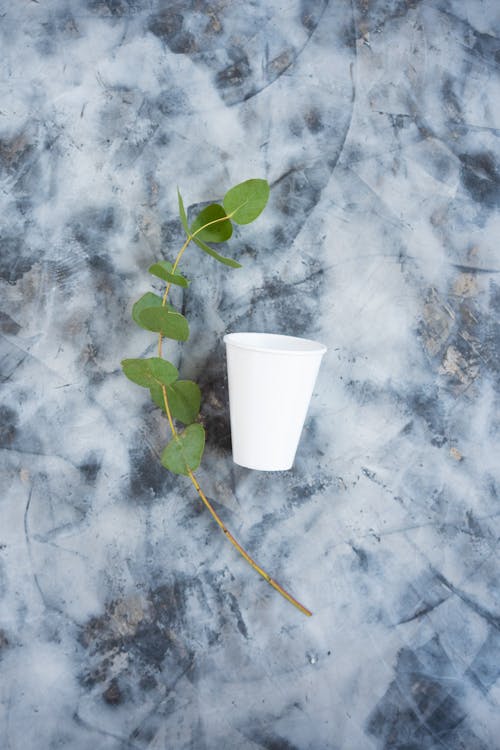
column 271, row 379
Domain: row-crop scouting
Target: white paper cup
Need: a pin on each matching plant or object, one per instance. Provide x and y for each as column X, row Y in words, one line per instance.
column 271, row 380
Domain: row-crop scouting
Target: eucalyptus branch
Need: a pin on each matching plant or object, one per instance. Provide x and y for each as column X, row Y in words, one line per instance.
column 181, row 399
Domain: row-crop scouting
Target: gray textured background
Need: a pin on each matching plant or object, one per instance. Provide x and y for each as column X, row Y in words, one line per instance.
column 127, row 620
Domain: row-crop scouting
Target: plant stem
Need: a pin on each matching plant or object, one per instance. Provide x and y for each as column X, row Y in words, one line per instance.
column 245, row 554
column 192, row 477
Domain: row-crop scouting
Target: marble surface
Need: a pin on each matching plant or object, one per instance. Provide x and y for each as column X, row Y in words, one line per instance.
column 126, row 619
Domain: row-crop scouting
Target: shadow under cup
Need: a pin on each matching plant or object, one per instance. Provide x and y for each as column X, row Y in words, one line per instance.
column 271, row 379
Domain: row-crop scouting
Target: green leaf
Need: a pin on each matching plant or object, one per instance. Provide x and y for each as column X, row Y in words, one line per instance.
column 219, row 232
column 147, row 300
column 184, row 399
column 173, row 325
column 152, row 372
column 182, row 213
column 183, row 454
column 206, row 249
column 163, row 269
column 157, row 396
column 247, row 200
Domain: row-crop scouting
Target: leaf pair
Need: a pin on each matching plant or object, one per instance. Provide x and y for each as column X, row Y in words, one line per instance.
column 155, row 373
column 149, row 313
column 242, row 203
column 184, row 452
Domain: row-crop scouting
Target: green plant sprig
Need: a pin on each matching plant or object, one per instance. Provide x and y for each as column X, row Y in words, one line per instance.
column 181, row 399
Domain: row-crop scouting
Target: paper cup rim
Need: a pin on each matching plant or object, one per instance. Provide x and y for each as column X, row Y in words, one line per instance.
column 274, row 343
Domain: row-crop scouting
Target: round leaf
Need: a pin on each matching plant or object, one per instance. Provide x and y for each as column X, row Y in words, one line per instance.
column 147, row 300
column 183, row 454
column 170, row 324
column 247, row 200
column 184, row 399
column 218, row 232
column 163, row 269
column 154, row 371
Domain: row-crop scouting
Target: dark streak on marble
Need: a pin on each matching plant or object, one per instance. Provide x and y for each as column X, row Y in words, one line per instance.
column 422, row 708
